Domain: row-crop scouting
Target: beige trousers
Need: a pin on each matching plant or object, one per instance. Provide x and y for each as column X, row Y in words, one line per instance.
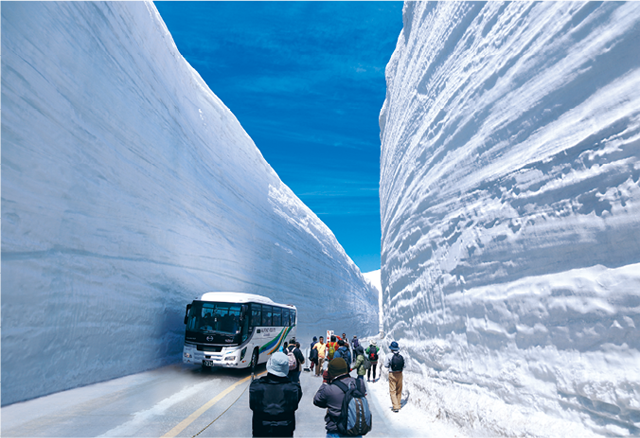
column 395, row 388
column 319, row 367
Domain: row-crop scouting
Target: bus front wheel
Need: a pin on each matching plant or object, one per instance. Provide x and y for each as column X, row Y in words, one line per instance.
column 254, row 360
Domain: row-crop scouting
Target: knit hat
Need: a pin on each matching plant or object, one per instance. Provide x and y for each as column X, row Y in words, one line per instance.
column 340, row 342
column 338, row 367
column 278, row 364
column 315, row 338
column 394, row 346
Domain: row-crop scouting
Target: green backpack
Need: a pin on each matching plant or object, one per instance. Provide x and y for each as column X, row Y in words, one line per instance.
column 332, row 349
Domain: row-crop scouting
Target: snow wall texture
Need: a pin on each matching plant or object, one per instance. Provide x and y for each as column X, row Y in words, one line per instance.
column 511, row 213
column 128, row 189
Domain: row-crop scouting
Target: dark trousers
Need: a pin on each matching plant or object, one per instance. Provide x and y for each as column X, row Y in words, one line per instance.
column 294, row 376
column 373, row 367
column 278, row 437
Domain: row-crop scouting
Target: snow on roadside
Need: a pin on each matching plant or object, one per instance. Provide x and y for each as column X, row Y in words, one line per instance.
column 414, row 419
column 510, row 208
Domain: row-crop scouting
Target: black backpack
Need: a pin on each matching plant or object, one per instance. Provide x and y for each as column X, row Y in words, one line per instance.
column 373, row 353
column 355, row 416
column 397, row 362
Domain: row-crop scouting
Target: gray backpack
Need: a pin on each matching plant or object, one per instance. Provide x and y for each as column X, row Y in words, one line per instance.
column 355, row 416
column 367, row 363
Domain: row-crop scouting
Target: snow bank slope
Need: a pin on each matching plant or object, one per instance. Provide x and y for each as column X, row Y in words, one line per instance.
column 128, row 189
column 511, row 211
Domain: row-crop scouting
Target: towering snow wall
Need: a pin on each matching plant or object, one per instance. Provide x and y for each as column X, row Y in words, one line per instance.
column 511, row 212
column 128, row 189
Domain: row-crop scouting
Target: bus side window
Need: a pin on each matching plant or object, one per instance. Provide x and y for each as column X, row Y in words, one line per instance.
column 285, row 318
column 293, row 317
column 256, row 315
column 277, row 316
column 267, row 313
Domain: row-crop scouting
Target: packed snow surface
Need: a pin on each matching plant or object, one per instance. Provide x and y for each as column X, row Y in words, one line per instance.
column 510, row 204
column 129, row 189
column 373, row 277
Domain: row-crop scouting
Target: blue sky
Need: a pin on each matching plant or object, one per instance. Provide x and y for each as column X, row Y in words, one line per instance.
column 306, row 81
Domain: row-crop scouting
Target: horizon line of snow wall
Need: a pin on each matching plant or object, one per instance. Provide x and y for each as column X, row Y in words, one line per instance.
column 129, row 189
column 510, row 212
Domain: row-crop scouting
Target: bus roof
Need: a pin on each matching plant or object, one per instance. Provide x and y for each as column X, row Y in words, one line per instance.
column 238, row 297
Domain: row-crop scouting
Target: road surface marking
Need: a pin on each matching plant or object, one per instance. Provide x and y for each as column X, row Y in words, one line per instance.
column 191, row 418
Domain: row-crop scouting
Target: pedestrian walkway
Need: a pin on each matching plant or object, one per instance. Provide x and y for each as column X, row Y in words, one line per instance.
column 184, row 401
column 309, row 418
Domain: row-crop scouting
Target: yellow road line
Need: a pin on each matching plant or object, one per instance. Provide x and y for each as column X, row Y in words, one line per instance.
column 191, row 418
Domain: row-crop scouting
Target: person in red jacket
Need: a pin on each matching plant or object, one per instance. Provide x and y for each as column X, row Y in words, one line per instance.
column 332, row 346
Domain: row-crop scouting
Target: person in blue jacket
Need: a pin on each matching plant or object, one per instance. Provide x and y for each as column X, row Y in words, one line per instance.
column 343, row 352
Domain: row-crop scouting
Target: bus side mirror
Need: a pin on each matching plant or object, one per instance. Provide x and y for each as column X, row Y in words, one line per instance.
column 186, row 314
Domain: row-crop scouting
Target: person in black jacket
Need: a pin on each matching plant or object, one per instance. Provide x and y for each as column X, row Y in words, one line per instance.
column 274, row 399
column 294, row 348
column 313, row 354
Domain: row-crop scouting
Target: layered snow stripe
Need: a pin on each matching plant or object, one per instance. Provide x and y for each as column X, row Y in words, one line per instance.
column 510, row 212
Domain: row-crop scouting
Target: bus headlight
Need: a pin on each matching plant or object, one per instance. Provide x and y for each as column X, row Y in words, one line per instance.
column 230, row 358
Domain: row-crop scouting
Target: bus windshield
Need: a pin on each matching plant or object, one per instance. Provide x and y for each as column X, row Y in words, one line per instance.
column 209, row 318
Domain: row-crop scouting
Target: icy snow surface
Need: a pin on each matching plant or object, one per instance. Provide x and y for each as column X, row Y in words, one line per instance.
column 128, row 189
column 373, row 277
column 510, row 214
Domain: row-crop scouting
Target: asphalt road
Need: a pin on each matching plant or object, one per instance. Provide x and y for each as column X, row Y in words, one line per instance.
column 177, row 400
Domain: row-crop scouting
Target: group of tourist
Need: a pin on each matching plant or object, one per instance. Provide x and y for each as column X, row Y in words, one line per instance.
column 275, row 397
column 321, row 352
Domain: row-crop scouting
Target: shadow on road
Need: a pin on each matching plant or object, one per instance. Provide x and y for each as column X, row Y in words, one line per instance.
column 204, row 372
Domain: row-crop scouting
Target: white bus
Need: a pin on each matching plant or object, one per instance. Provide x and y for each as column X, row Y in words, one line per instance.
column 235, row 330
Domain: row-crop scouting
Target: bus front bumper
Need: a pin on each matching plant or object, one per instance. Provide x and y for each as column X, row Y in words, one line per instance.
column 227, row 359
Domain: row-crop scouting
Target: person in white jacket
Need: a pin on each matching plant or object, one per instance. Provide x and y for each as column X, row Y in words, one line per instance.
column 395, row 364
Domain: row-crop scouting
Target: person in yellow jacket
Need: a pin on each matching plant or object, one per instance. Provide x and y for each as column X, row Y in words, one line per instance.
column 322, row 353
